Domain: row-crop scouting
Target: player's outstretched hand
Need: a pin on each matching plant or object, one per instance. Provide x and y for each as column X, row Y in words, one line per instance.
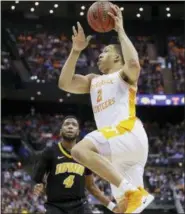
column 38, row 189
column 118, row 18
column 80, row 41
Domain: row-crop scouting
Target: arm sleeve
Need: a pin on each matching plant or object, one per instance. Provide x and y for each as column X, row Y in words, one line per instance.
column 42, row 165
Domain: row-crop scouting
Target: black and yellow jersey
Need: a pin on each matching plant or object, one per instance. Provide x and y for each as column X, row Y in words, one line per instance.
column 65, row 177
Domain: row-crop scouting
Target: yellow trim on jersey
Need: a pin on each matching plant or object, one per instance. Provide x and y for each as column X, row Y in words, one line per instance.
column 132, row 102
column 64, row 152
column 124, row 125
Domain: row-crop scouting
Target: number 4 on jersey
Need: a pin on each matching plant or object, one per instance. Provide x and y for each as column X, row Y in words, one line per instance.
column 69, row 181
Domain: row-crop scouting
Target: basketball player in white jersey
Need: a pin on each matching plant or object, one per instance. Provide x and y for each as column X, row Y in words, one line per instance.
column 117, row 151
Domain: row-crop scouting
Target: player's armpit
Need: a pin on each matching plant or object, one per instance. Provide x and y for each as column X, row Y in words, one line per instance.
column 79, row 85
column 131, row 70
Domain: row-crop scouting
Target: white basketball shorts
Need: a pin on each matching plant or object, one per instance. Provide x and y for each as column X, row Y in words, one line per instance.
column 127, row 152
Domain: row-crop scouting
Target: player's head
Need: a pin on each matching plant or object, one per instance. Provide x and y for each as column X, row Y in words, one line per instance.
column 110, row 56
column 70, row 128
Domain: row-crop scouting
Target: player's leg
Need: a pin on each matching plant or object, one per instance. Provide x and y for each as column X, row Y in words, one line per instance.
column 133, row 201
column 133, row 174
column 86, row 153
column 134, row 147
column 90, row 151
column 93, row 152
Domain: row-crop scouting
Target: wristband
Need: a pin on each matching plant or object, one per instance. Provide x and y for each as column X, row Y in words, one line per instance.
column 111, row 206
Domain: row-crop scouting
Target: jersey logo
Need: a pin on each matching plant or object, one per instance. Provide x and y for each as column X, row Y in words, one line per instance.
column 144, row 200
column 69, row 168
column 60, row 157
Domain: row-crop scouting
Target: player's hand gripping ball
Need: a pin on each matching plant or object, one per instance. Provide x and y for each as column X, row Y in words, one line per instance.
column 98, row 16
column 117, row 17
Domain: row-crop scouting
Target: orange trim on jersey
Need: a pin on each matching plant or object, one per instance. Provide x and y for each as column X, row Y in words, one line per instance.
column 132, row 102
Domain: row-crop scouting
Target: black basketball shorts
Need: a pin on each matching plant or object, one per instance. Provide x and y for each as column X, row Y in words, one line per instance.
column 74, row 207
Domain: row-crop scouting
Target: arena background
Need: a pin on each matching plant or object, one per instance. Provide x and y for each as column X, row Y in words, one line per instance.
column 35, row 41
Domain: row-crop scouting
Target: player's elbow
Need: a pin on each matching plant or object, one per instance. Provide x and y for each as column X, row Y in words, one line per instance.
column 133, row 65
column 63, row 86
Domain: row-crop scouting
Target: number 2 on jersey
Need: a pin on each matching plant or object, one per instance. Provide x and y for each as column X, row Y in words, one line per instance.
column 99, row 96
column 69, row 181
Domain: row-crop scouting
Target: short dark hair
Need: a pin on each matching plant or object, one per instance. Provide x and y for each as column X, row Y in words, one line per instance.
column 70, row 117
column 118, row 49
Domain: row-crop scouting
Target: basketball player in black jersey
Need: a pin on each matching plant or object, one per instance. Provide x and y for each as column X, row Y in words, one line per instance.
column 66, row 179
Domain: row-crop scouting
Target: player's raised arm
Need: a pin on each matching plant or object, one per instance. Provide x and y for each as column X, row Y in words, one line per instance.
column 68, row 80
column 131, row 68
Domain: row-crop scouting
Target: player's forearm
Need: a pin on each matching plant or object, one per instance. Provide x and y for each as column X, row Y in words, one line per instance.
column 128, row 49
column 68, row 69
column 96, row 192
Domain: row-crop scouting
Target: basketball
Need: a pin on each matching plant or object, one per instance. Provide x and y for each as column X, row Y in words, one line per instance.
column 98, row 17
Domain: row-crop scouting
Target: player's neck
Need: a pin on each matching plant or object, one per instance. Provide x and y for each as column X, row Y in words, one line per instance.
column 115, row 68
column 68, row 145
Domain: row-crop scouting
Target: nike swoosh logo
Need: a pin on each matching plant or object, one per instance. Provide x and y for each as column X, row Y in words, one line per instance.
column 60, row 157
column 144, row 201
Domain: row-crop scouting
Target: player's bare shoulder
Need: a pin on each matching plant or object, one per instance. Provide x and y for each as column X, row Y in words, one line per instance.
column 92, row 76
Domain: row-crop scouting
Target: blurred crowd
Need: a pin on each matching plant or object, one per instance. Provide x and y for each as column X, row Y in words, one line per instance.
column 17, row 192
column 47, row 52
column 18, row 197
column 159, row 181
column 166, row 151
column 166, row 142
column 176, row 55
column 17, row 189
column 46, row 55
column 5, row 61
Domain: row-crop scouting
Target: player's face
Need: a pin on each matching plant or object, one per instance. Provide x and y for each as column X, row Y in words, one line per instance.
column 70, row 129
column 106, row 58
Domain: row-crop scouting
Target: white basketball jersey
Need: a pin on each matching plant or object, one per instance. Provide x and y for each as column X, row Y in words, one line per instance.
column 113, row 101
